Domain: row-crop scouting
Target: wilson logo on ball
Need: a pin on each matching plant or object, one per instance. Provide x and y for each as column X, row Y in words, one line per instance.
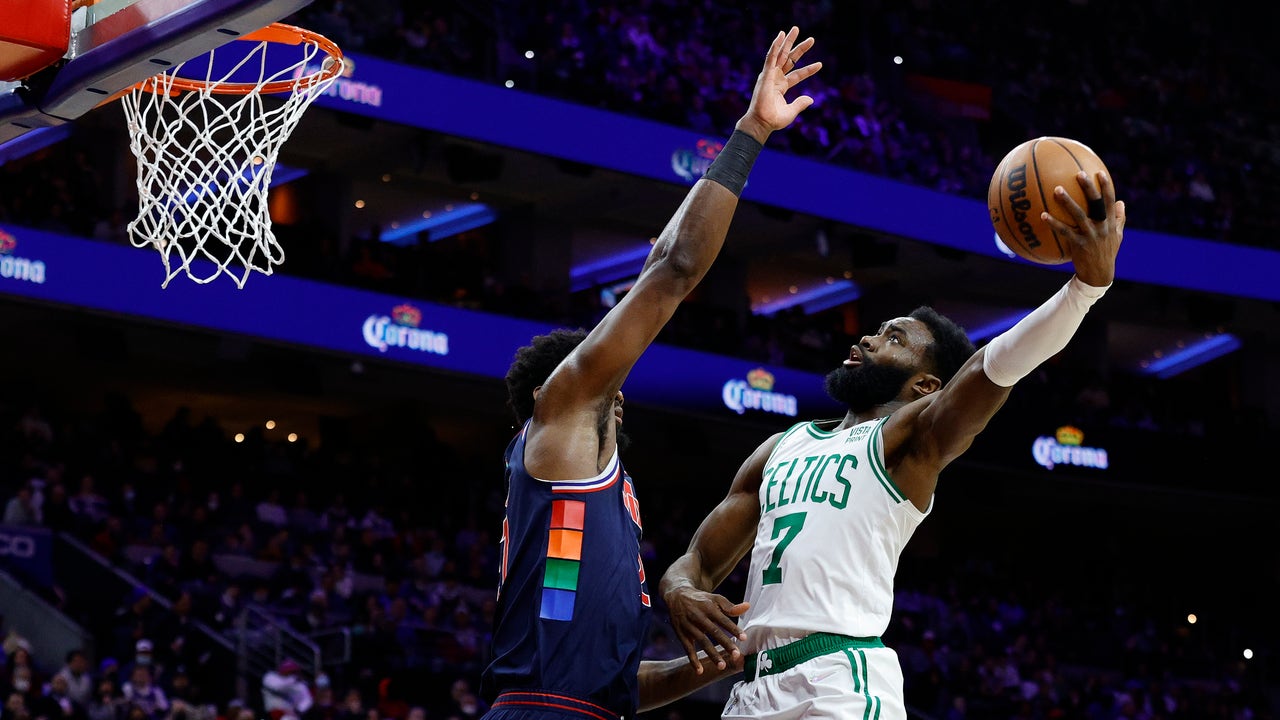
column 1016, row 183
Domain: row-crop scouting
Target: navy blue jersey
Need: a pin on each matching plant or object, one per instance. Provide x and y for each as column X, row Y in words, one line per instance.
column 573, row 605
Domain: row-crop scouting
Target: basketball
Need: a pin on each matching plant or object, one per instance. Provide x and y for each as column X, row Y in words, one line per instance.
column 1022, row 187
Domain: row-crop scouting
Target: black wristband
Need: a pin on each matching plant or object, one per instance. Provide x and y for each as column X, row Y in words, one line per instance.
column 733, row 164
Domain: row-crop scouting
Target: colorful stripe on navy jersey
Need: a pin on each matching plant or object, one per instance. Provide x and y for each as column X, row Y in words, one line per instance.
column 604, row 480
column 564, row 559
column 532, row 700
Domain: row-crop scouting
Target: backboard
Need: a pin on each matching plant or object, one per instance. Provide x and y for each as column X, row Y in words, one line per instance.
column 115, row 44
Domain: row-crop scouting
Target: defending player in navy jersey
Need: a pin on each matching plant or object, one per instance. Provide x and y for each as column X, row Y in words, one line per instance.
column 826, row 508
column 573, row 603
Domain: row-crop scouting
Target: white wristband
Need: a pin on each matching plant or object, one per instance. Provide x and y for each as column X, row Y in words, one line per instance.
column 1040, row 335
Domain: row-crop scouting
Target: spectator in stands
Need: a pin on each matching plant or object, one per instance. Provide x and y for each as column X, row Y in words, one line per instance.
column 164, row 570
column 105, row 703
column 197, row 568
column 353, row 706
column 271, row 512
column 21, row 510
column 141, row 693
column 302, row 517
column 229, row 605
column 285, row 693
column 55, row 704
column 143, row 657
column 187, row 698
column 89, row 507
column 323, row 705
column 132, row 624
column 20, row 672
column 80, row 683
column 56, row 511
column 109, row 669
column 15, row 706
column 337, row 514
column 21, row 681
column 390, row 704
column 434, row 560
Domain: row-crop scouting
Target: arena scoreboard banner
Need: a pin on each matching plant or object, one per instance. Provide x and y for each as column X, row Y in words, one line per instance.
column 125, row 280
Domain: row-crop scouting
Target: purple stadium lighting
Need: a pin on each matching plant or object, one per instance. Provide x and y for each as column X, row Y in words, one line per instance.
column 813, row 299
column 609, row 269
column 1192, row 356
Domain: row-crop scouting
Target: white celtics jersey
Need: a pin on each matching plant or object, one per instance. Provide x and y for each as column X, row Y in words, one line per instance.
column 832, row 526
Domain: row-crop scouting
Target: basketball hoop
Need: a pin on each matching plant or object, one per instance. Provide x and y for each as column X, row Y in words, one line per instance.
column 207, row 143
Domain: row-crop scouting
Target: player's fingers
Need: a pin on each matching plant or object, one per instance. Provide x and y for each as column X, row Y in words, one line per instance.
column 795, row 53
column 1107, row 193
column 788, row 44
column 795, row 77
column 775, row 49
column 691, row 651
column 1120, row 214
column 800, row 104
column 1106, row 189
column 1095, row 208
column 1059, row 226
column 732, row 611
column 720, row 628
column 799, row 50
column 1064, row 199
column 712, row 651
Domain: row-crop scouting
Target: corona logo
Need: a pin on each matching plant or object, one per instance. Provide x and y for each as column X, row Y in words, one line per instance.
column 760, row 379
column 400, row 329
column 345, row 86
column 407, row 315
column 13, row 267
column 756, row 393
column 1066, row 448
column 1068, row 435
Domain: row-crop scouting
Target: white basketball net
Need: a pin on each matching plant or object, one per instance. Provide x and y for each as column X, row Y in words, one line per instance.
column 205, row 162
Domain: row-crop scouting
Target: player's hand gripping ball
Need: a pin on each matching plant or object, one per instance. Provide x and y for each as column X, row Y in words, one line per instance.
column 1022, row 187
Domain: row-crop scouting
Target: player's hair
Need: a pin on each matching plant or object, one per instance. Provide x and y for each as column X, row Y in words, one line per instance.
column 534, row 363
column 951, row 346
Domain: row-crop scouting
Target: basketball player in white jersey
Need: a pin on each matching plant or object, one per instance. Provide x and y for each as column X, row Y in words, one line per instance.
column 826, row 507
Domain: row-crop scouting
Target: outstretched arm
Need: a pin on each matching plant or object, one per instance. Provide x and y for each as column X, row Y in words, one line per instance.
column 701, row 618
column 569, row 404
column 665, row 681
column 928, row 434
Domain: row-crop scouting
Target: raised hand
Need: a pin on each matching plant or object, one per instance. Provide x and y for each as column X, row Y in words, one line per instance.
column 1095, row 242
column 706, row 621
column 769, row 109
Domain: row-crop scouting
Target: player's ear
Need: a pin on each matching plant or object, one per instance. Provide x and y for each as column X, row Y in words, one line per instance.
column 926, row 384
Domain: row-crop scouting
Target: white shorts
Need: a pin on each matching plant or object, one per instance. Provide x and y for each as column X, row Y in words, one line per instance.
column 854, row 684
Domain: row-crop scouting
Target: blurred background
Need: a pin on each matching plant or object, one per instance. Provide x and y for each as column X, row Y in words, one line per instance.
column 226, row 486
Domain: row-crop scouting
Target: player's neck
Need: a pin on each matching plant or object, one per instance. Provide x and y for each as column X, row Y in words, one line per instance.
column 852, row 418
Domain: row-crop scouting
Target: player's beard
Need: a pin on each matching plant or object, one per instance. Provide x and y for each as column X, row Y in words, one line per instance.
column 863, row 387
